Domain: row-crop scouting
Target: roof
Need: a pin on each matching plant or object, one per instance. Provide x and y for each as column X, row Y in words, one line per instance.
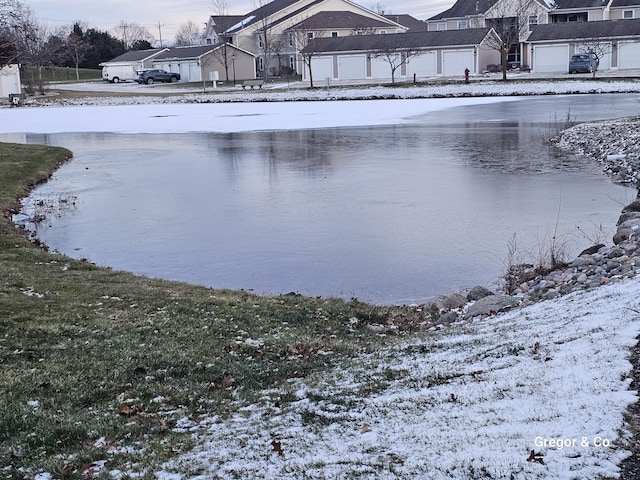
column 412, row 23
column 586, row 30
column 578, row 4
column 625, row 3
column 224, row 22
column 137, row 55
column 340, row 19
column 466, row 8
column 186, row 52
column 410, row 40
column 262, row 13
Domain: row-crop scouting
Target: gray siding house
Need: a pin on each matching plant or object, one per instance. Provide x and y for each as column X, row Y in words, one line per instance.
column 425, row 54
column 617, row 42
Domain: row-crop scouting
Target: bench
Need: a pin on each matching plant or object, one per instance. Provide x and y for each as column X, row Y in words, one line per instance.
column 252, row 83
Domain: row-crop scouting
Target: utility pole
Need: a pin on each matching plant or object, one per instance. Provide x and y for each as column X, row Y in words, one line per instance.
column 160, row 33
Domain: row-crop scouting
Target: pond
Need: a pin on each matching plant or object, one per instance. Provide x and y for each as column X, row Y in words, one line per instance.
column 387, row 214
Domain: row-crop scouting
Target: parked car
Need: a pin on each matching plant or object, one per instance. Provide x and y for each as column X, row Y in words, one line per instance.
column 154, row 75
column 583, row 63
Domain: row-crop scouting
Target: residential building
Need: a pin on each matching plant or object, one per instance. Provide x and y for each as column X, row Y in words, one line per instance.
column 265, row 31
column 416, row 55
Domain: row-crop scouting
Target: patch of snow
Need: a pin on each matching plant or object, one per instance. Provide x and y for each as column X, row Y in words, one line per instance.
column 472, row 401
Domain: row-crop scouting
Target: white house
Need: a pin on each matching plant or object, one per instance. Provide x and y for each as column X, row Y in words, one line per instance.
column 617, row 42
column 419, row 54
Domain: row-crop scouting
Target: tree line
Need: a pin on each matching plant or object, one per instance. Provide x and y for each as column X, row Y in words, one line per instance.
column 25, row 40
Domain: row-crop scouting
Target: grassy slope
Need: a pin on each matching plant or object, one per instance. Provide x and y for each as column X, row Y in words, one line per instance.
column 84, row 350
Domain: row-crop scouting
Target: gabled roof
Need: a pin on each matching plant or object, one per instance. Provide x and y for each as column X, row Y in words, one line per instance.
column 224, row 22
column 466, row 8
column 194, row 52
column 412, row 23
column 137, row 55
column 580, row 4
column 342, row 19
column 586, row 30
column 625, row 3
column 470, row 36
column 264, row 12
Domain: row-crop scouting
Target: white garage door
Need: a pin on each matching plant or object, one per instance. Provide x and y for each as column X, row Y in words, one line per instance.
column 423, row 65
column 321, row 68
column 548, row 58
column 629, row 55
column 351, row 67
column 380, row 68
column 455, row 62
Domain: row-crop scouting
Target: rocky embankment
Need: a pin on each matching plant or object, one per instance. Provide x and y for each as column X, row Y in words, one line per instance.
column 616, row 145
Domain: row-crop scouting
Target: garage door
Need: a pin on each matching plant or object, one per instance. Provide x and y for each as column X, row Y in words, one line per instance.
column 423, row 65
column 380, row 68
column 321, row 68
column 455, row 62
column 351, row 67
column 548, row 58
column 629, row 55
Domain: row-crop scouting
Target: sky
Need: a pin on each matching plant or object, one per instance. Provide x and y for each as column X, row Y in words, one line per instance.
column 169, row 14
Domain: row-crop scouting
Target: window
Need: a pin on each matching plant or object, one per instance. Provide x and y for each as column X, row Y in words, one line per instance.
column 462, row 25
column 292, row 63
column 627, row 14
column 441, row 26
column 309, row 35
column 291, row 39
column 260, row 42
column 334, row 34
column 260, row 64
column 533, row 21
column 383, row 32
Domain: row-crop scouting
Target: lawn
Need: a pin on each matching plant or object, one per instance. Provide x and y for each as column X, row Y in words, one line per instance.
column 86, row 352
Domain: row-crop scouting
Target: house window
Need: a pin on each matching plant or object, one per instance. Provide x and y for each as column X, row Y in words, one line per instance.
column 291, row 39
column 462, row 25
column 309, row 35
column 383, row 32
column 533, row 21
column 260, row 42
column 292, row 63
column 441, row 26
column 627, row 14
column 260, row 64
column 334, row 34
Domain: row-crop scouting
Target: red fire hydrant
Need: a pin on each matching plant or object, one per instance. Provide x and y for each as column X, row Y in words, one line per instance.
column 466, row 75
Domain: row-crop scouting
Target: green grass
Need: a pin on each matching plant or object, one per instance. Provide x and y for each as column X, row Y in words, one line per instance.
column 88, row 353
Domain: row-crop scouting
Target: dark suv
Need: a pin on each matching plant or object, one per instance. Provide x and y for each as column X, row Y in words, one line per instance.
column 583, row 62
column 150, row 76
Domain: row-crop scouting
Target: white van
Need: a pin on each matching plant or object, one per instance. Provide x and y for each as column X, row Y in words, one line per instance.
column 118, row 73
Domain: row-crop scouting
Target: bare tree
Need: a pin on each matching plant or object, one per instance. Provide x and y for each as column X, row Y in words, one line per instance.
column 394, row 52
column 34, row 43
column 131, row 33
column 12, row 16
column 597, row 47
column 76, row 47
column 225, row 54
column 510, row 20
column 188, row 34
column 264, row 38
column 304, row 42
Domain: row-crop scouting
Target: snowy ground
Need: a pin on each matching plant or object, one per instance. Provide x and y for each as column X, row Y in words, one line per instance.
column 472, row 401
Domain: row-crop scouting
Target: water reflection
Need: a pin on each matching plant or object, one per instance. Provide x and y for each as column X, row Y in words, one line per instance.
column 387, row 214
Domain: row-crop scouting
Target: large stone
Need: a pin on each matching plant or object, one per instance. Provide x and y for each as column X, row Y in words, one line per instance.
column 622, row 235
column 491, row 304
column 446, row 302
column 632, row 207
column 478, row 292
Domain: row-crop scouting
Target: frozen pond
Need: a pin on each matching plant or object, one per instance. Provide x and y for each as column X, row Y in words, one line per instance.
column 386, row 214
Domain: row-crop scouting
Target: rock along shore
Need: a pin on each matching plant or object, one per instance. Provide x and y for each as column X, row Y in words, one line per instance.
column 616, row 145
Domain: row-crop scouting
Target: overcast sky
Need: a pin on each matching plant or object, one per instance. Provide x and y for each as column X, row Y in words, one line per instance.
column 106, row 14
